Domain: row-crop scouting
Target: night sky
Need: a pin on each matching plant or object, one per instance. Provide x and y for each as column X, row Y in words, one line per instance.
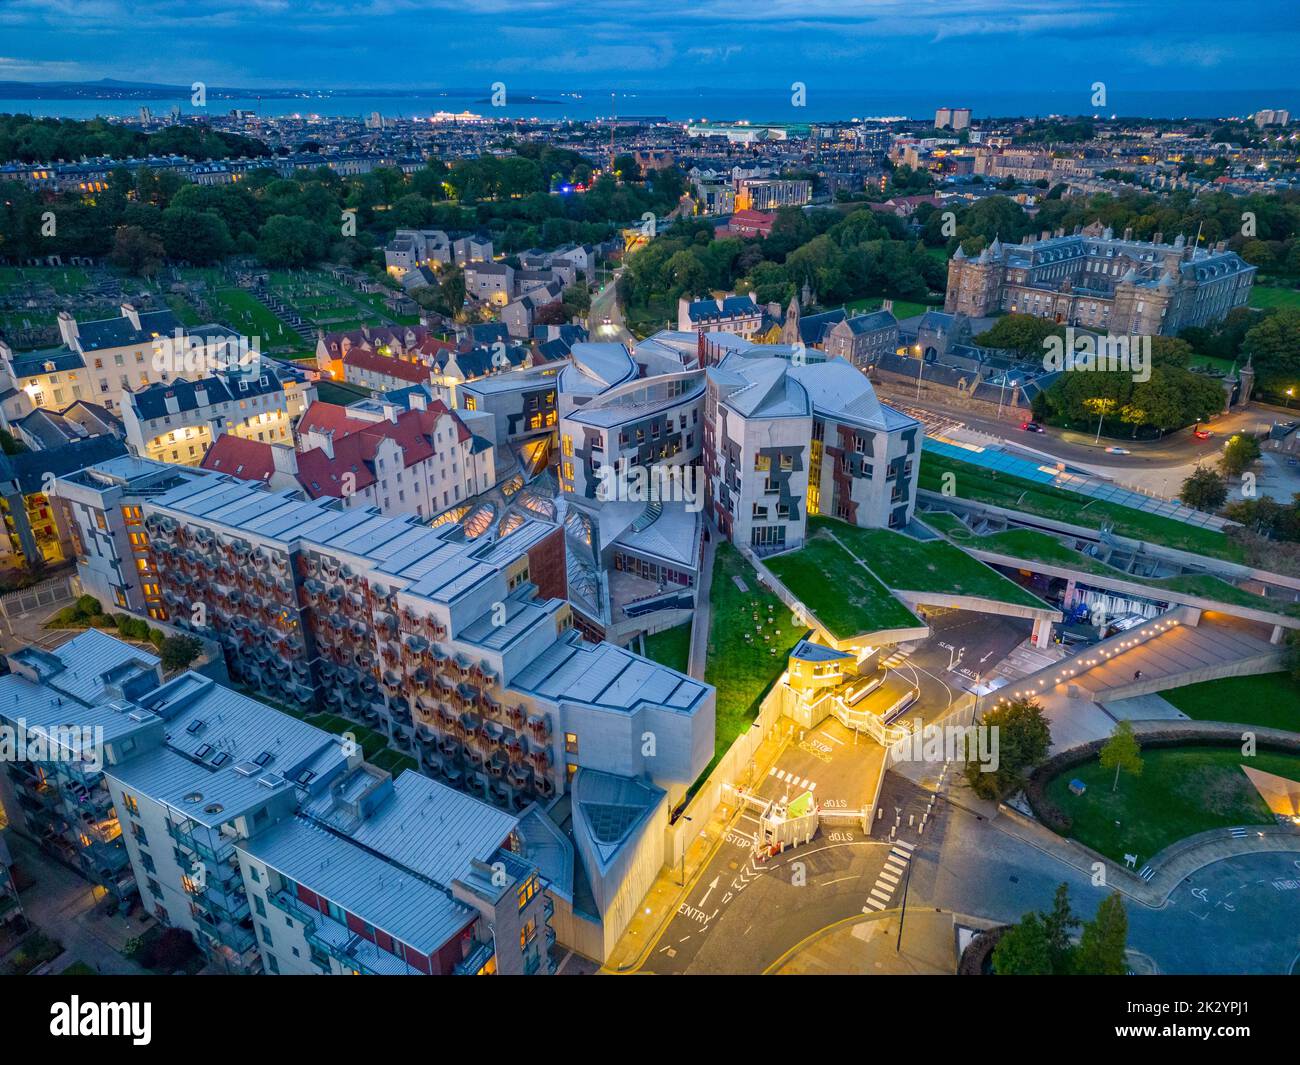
column 544, row 44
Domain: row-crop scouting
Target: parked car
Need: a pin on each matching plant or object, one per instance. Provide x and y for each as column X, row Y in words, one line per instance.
column 1031, row 427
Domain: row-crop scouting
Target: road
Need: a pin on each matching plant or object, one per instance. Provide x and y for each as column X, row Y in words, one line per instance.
column 605, row 305
column 1177, row 449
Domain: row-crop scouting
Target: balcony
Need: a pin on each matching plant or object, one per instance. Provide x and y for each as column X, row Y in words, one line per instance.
column 476, row 961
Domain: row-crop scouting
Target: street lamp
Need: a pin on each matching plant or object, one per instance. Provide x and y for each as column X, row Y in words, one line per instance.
column 1290, row 394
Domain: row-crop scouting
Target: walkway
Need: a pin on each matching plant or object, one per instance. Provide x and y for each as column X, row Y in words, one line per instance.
column 1180, row 655
column 703, row 609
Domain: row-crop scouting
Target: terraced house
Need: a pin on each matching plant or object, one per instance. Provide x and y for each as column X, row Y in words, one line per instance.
column 99, row 361
column 179, row 420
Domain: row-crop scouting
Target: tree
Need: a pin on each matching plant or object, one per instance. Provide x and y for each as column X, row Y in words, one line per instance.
column 1238, row 453
column 178, row 652
column 136, row 251
column 1058, row 925
column 1204, row 489
column 1023, row 739
column 1273, row 350
column 1122, row 751
column 1024, row 950
column 1104, row 940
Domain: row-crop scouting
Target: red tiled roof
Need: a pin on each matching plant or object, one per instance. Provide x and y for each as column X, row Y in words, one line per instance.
column 363, row 359
column 249, row 460
column 356, row 443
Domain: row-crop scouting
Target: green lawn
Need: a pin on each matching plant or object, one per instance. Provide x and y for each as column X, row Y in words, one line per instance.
column 837, row 589
column 245, row 314
column 1272, row 296
column 743, row 670
column 1269, row 700
column 1034, row 546
column 372, row 743
column 1015, row 493
column 914, row 565
column 902, row 308
column 671, row 647
column 1182, row 791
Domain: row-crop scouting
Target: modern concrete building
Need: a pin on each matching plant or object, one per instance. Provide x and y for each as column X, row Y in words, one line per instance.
column 101, row 506
column 1095, row 280
column 462, row 650
column 783, row 440
column 267, row 839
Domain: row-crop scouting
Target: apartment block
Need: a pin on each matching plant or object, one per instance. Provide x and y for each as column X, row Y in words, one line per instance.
column 99, row 361
column 267, row 839
column 102, row 509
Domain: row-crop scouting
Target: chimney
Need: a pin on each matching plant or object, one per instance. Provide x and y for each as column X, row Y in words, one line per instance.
column 390, row 412
column 68, row 329
column 326, row 442
column 132, row 315
column 1157, row 238
column 887, row 305
column 1128, row 232
column 419, row 400
column 285, row 460
column 172, row 404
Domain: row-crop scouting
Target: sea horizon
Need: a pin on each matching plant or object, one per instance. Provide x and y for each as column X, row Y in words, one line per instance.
column 701, row 104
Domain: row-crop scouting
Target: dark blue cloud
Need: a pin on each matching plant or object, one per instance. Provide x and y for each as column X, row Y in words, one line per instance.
column 547, row 44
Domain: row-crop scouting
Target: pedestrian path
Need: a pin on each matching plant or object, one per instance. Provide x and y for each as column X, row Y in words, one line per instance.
column 793, row 780
column 900, row 854
column 895, row 660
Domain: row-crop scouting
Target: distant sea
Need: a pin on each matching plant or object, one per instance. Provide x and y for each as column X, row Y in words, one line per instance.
column 713, row 104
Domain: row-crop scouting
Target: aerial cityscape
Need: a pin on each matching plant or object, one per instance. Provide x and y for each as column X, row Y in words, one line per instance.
column 605, row 503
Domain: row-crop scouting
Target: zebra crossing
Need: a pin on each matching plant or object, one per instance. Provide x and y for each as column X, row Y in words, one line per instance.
column 895, row 660
column 890, row 876
column 792, row 779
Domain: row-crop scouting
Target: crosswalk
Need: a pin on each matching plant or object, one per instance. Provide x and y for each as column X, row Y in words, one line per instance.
column 890, row 876
column 895, row 660
column 792, row 780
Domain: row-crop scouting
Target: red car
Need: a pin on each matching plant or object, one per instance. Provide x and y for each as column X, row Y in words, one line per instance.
column 1204, row 434
column 1031, row 427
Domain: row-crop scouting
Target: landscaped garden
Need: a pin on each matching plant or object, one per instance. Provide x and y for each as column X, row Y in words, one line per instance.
column 373, row 744
column 1180, row 792
column 1035, row 546
column 837, row 588
column 1047, row 501
column 912, row 565
column 671, row 647
column 751, row 634
column 1268, row 700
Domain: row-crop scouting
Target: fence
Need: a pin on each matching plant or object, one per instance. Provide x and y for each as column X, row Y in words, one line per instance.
column 48, row 593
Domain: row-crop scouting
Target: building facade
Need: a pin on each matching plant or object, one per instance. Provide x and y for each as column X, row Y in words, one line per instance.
column 1120, row 286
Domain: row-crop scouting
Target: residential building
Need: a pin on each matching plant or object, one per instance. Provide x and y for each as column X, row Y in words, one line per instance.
column 178, row 421
column 418, row 461
column 100, row 506
column 739, row 314
column 267, row 839
column 459, row 644
column 33, row 529
column 99, row 361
